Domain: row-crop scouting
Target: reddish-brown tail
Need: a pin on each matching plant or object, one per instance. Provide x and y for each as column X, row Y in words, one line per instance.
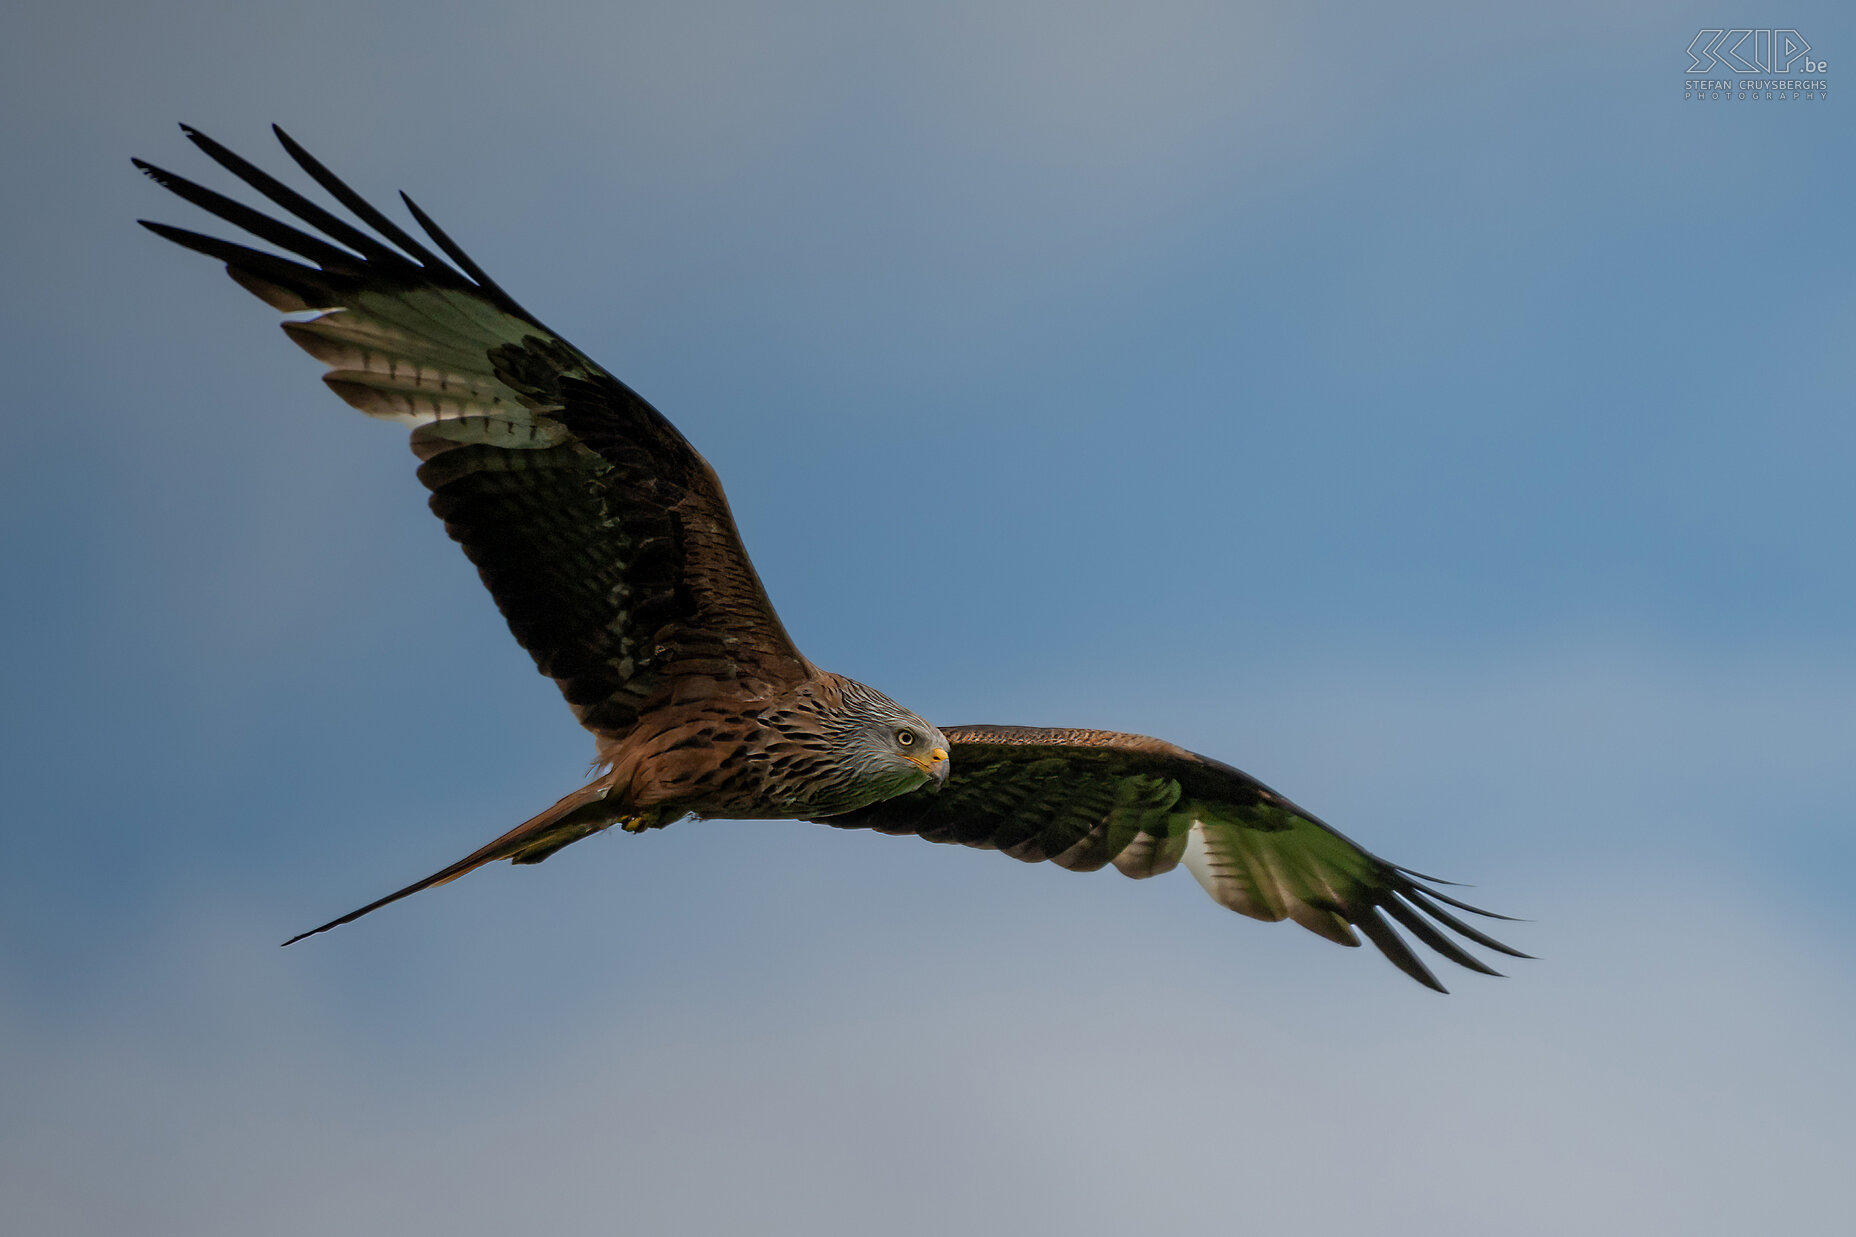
column 581, row 814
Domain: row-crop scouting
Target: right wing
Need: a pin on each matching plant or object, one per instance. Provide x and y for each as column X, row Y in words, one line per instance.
column 1086, row 798
column 601, row 533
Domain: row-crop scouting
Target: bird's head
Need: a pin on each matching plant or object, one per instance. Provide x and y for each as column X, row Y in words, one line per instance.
column 888, row 749
column 919, row 746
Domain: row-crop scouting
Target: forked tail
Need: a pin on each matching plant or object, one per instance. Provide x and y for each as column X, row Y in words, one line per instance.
column 581, row 814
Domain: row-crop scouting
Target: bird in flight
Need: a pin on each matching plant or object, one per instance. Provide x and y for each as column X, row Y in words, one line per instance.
column 608, row 546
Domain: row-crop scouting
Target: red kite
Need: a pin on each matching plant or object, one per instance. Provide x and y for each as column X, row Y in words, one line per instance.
column 608, row 545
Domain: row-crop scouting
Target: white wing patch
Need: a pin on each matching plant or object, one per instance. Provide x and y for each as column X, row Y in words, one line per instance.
column 1277, row 875
column 422, row 359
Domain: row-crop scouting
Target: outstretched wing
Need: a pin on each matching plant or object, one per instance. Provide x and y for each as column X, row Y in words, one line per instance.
column 603, row 536
column 1087, row 798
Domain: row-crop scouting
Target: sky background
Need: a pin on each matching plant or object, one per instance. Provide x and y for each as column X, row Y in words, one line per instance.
column 1425, row 410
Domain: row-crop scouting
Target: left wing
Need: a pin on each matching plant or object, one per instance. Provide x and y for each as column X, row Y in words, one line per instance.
column 602, row 534
column 1086, row 798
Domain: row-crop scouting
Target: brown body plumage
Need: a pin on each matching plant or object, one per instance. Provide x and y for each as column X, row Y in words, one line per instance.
column 607, row 543
column 752, row 757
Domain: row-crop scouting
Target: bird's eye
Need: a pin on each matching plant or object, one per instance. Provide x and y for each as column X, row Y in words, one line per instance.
column 905, row 738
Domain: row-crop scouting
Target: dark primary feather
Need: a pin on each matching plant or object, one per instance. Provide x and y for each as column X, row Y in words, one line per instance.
column 603, row 536
column 1087, row 798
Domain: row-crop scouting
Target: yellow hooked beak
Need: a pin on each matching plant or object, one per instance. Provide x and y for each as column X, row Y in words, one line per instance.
column 934, row 765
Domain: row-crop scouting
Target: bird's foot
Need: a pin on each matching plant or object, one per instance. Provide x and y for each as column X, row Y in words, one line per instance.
column 636, row 824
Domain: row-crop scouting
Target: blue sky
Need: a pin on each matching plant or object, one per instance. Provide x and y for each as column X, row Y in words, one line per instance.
column 1429, row 412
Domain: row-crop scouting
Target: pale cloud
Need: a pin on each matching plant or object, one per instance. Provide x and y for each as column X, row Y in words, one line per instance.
column 1677, row 1066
